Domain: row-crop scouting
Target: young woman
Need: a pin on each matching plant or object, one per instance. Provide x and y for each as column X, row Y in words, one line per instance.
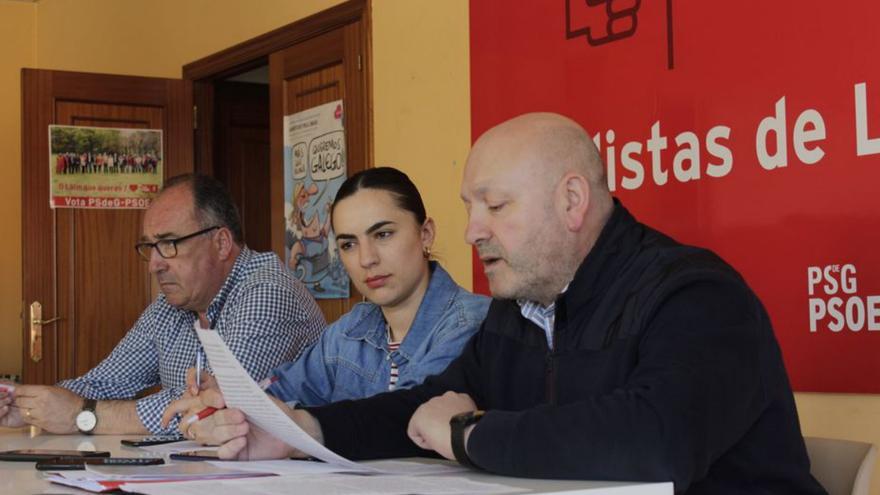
column 415, row 320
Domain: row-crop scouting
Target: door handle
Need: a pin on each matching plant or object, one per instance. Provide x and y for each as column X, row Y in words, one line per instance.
column 37, row 322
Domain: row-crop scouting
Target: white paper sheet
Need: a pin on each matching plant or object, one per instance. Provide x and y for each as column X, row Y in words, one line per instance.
column 290, row 467
column 331, row 485
column 83, row 484
column 283, row 467
column 240, row 391
column 98, row 482
column 177, row 470
column 414, row 468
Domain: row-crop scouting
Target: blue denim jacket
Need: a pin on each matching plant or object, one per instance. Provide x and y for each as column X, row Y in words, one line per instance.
column 351, row 359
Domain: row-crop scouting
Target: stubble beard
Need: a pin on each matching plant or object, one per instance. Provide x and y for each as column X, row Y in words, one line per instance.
column 537, row 274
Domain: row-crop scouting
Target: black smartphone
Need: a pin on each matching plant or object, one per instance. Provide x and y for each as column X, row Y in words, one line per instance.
column 196, row 455
column 77, row 463
column 31, row 455
column 152, row 440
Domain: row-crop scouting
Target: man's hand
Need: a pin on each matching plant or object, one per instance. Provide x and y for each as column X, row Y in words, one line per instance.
column 243, row 441
column 10, row 416
column 189, row 405
column 429, row 425
column 53, row 409
column 200, row 430
column 207, row 379
column 193, row 399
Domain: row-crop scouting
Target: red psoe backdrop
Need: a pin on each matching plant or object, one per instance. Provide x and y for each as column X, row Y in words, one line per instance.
column 750, row 128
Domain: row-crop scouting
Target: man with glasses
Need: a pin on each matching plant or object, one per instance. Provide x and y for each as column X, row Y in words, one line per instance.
column 208, row 278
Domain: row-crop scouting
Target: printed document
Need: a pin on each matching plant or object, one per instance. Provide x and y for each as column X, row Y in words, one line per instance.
column 241, row 392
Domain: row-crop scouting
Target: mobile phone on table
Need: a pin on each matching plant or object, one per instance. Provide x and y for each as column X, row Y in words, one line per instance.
column 196, row 455
column 152, row 440
column 31, row 455
column 77, row 463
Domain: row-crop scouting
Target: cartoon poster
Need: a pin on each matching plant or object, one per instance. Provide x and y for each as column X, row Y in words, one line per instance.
column 100, row 167
column 314, row 168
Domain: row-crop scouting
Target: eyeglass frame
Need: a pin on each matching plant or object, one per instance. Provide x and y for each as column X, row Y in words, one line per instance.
column 169, row 242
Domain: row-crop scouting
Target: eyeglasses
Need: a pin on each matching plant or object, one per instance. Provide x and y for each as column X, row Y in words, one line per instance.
column 167, row 248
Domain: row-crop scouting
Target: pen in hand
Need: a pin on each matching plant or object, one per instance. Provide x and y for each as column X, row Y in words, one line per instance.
column 204, row 413
column 198, row 369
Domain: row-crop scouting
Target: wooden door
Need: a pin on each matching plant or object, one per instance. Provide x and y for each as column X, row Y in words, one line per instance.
column 81, row 264
column 241, row 155
column 321, row 69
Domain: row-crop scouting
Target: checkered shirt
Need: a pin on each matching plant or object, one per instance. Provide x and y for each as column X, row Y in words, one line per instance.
column 264, row 315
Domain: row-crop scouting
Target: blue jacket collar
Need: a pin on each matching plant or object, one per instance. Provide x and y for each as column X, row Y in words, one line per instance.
column 439, row 295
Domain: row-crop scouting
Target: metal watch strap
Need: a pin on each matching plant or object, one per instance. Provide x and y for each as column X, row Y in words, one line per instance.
column 458, row 426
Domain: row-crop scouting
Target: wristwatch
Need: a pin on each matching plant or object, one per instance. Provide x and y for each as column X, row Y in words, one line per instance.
column 458, row 424
column 87, row 420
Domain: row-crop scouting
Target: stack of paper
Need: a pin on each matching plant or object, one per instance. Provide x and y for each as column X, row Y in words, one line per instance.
column 333, row 484
column 290, row 467
column 107, row 478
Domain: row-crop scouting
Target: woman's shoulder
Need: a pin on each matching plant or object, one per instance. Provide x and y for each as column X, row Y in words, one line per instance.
column 360, row 313
column 459, row 297
column 476, row 303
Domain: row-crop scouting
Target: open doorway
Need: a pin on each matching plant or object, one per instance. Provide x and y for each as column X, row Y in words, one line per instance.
column 241, row 149
column 242, row 94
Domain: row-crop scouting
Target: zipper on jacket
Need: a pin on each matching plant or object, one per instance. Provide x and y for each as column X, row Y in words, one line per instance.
column 550, row 361
column 550, row 378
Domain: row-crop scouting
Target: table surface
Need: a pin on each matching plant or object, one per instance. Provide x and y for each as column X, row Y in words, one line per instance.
column 21, row 477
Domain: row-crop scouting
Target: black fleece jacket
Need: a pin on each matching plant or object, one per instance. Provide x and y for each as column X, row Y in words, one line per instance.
column 665, row 367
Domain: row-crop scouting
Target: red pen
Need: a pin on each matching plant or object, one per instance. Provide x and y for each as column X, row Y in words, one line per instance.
column 267, row 382
column 204, row 413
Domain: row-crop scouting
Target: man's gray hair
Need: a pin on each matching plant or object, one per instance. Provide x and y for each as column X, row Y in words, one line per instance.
column 212, row 203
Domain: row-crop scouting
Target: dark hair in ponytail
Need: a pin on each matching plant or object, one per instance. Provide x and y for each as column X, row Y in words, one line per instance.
column 388, row 179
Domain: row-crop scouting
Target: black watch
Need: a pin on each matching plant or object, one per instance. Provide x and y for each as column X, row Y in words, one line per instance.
column 87, row 419
column 458, row 424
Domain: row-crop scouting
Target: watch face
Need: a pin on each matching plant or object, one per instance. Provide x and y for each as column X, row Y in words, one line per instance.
column 86, row 421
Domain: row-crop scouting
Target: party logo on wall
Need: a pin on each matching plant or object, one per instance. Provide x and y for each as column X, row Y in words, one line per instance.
column 836, row 303
column 600, row 22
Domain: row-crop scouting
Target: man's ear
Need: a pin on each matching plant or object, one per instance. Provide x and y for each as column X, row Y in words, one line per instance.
column 224, row 243
column 574, row 195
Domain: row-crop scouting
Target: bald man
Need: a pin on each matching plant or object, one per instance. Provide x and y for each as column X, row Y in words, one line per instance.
column 610, row 352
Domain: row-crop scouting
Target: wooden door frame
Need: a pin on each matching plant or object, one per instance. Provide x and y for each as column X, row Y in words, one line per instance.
column 342, row 34
column 42, row 89
column 255, row 52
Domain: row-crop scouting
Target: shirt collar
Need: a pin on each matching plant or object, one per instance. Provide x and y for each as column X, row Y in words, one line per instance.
column 436, row 301
column 535, row 305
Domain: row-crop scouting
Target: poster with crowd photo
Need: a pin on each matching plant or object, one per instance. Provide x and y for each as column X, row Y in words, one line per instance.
column 101, row 167
column 757, row 137
column 314, row 168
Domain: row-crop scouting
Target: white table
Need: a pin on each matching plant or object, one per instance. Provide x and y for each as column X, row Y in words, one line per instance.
column 22, row 478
